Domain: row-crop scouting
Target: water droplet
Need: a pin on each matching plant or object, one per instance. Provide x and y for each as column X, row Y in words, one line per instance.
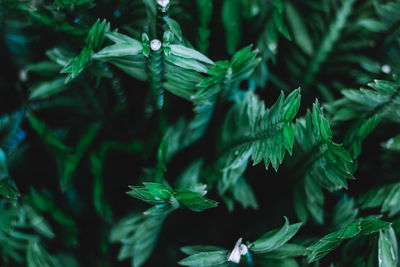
column 155, row 44
column 386, row 69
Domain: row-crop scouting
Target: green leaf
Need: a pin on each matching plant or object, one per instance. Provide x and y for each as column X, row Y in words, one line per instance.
column 134, row 66
column 95, row 36
column 100, row 203
column 45, row 68
column 185, row 52
column 78, row 64
column 119, row 50
column 299, row 29
column 37, row 257
column 205, row 9
column 193, row 200
column 143, row 194
column 386, row 197
column 43, row 203
column 372, row 25
column 198, row 203
column 329, row 40
column 344, row 213
column 159, row 191
column 118, row 38
column 39, row 224
column 326, row 162
column 186, row 63
column 204, row 259
column 190, row 250
column 231, row 20
column 387, row 248
column 275, row 238
column 364, row 226
column 280, row 24
column 47, row 134
column 286, row 251
column 71, row 3
column 70, row 161
column 251, row 130
column 8, row 189
column 174, row 27
column 243, row 194
column 138, row 235
column 47, row 89
column 380, row 99
column 189, row 179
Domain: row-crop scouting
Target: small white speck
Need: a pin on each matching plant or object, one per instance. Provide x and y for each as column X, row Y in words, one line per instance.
column 386, row 69
column 236, row 152
column 389, row 142
column 272, row 47
column 23, row 75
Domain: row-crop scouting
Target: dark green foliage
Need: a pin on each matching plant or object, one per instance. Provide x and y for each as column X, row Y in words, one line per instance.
column 325, row 164
column 364, row 226
column 178, row 102
column 272, row 244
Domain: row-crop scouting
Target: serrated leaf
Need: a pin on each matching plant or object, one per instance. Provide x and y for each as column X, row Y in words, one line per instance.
column 250, row 129
column 364, row 226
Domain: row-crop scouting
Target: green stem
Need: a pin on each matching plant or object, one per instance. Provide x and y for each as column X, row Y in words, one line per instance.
column 326, row 46
column 156, row 73
column 162, row 15
column 271, row 131
column 304, row 162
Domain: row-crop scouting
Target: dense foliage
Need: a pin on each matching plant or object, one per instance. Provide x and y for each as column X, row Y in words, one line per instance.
column 158, row 133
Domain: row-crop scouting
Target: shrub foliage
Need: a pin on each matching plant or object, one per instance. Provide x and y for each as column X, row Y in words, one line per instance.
column 143, row 132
